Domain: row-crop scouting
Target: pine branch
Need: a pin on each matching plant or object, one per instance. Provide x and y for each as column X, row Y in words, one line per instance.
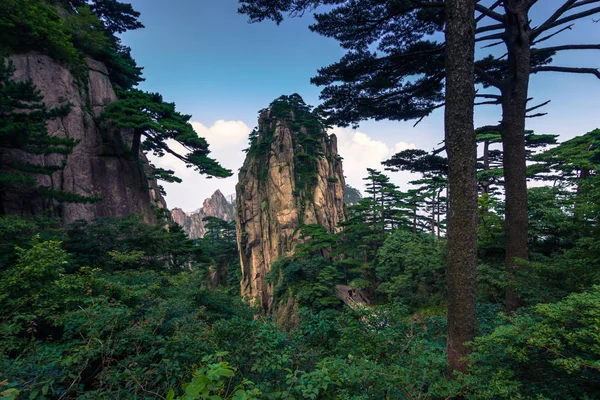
column 489, row 96
column 536, row 115
column 538, row 106
column 430, row 110
column 544, row 27
column 557, row 14
column 552, row 35
column 489, row 28
column 489, row 13
column 488, row 78
column 593, row 71
column 494, row 36
column 569, row 47
column 583, row 3
column 491, row 8
column 494, row 44
column 491, row 102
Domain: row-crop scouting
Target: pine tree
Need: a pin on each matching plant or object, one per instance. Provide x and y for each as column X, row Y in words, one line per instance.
column 155, row 122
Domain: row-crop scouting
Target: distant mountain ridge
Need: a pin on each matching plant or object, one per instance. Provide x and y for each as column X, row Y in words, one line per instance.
column 193, row 224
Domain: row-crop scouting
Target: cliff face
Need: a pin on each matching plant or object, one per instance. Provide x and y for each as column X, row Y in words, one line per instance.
column 98, row 166
column 215, row 206
column 292, row 175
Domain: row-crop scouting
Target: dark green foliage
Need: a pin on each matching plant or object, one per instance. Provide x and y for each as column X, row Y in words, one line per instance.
column 392, row 69
column 61, row 318
column 130, row 244
column 117, row 17
column 70, row 31
column 573, row 160
column 219, row 243
column 35, row 24
column 351, row 195
column 157, row 121
column 411, row 268
column 310, row 275
column 550, row 351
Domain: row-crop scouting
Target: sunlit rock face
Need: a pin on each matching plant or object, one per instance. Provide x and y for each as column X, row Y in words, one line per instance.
column 292, row 175
column 192, row 223
column 99, row 165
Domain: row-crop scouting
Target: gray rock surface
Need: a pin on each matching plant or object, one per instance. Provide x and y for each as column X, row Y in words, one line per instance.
column 99, row 165
column 269, row 211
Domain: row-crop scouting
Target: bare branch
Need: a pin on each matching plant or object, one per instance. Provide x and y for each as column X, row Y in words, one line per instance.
column 494, row 44
column 552, row 34
column 491, row 8
column 557, row 14
column 536, row 115
column 581, row 3
column 564, row 20
column 490, row 102
column 489, row 13
column 494, row 36
column 569, row 47
column 538, row 106
column 489, row 28
column 489, row 96
column 593, row 71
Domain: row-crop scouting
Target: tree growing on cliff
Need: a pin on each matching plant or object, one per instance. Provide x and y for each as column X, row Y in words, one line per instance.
column 23, row 118
column 156, row 122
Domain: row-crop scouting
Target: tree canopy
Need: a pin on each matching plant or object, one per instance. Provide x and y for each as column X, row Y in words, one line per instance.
column 156, row 121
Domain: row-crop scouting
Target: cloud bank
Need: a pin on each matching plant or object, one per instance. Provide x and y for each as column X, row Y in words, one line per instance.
column 360, row 151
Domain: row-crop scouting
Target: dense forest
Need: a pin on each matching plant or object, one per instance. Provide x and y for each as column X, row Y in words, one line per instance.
column 480, row 281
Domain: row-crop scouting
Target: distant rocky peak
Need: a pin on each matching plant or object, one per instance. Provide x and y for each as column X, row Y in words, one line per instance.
column 193, row 224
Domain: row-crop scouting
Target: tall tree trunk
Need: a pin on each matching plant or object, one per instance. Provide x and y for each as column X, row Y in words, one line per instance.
column 136, row 144
column 433, row 214
column 462, row 165
column 486, row 165
column 439, row 211
column 514, row 106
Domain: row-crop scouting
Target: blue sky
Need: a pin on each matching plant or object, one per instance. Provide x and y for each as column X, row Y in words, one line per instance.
column 220, row 69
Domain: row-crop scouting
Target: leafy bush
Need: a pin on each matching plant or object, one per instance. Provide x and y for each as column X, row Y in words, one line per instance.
column 551, row 351
column 411, row 268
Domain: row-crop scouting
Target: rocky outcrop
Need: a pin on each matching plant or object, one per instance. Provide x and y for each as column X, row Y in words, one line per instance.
column 292, row 175
column 98, row 165
column 193, row 224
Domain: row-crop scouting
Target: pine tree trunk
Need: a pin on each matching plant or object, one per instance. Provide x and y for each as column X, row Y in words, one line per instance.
column 486, row 165
column 514, row 105
column 136, row 144
column 439, row 211
column 462, row 165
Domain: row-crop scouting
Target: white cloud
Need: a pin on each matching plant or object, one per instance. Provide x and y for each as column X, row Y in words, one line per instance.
column 360, row 151
column 401, row 146
column 226, row 141
column 223, row 134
